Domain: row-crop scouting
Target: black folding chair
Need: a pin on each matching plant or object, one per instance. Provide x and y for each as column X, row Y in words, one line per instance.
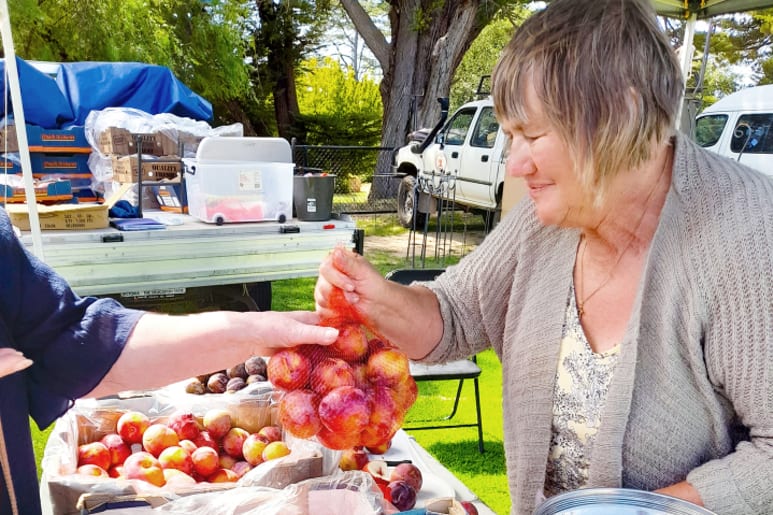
column 458, row 370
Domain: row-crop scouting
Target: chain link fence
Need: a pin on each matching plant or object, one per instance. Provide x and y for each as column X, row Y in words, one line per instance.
column 364, row 179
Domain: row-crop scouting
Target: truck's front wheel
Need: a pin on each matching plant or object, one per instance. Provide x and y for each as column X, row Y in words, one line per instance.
column 406, row 204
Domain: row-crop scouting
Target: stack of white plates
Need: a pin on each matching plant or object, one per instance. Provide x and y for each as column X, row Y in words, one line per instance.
column 617, row 501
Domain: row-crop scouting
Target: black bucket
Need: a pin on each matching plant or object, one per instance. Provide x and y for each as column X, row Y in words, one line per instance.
column 313, row 196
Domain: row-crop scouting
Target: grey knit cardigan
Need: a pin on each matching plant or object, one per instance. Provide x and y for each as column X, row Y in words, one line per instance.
column 692, row 394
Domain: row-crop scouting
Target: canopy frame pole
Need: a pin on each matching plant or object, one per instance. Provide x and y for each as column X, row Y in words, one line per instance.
column 20, row 124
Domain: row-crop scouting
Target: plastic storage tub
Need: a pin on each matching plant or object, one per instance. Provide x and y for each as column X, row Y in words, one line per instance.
column 240, row 180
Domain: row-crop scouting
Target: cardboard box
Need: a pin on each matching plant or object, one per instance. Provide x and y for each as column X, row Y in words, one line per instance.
column 121, row 142
column 90, row 420
column 71, row 140
column 114, row 140
column 125, row 169
column 46, row 191
column 61, row 216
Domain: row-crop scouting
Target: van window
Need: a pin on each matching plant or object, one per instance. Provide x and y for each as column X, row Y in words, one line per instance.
column 708, row 129
column 753, row 134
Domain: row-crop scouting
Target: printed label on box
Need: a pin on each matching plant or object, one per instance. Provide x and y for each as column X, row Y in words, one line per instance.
column 311, row 205
column 250, row 180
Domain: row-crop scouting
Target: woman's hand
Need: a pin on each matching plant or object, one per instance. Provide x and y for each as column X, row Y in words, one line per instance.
column 682, row 490
column 11, row 361
column 353, row 275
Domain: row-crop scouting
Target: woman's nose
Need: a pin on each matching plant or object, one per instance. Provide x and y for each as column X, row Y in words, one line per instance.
column 519, row 162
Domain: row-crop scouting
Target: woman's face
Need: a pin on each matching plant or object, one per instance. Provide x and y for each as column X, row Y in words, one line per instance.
column 538, row 155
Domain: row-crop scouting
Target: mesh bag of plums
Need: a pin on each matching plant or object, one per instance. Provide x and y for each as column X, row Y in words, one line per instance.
column 352, row 393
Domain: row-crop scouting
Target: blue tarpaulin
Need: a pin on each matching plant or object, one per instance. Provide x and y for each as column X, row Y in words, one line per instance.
column 66, row 98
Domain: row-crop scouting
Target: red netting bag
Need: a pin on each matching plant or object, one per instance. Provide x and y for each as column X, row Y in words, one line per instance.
column 353, row 393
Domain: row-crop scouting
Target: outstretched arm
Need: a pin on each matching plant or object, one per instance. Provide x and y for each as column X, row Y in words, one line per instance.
column 163, row 348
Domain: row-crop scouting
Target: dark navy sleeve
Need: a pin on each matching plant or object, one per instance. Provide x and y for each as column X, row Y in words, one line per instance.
column 72, row 341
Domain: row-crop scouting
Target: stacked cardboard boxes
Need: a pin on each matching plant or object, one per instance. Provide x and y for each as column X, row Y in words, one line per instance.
column 59, row 160
column 161, row 163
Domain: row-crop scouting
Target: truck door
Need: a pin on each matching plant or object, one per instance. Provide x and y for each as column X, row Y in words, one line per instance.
column 454, row 136
column 477, row 179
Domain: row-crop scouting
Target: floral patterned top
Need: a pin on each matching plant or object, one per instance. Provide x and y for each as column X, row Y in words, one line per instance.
column 582, row 383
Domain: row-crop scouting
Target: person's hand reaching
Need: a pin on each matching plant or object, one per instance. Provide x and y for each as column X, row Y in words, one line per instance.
column 11, row 361
column 345, row 271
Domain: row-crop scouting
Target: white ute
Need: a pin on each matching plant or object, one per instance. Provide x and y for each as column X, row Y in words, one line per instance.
column 461, row 161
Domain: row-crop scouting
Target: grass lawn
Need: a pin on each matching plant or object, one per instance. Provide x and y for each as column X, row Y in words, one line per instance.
column 456, row 449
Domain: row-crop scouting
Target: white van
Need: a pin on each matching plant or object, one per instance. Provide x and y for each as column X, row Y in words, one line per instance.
column 740, row 126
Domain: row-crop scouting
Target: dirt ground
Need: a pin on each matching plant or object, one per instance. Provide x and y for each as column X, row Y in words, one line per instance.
column 434, row 245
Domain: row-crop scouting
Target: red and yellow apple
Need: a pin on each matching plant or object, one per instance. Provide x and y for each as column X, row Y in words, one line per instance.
column 131, row 425
column 298, row 413
column 289, row 369
column 143, row 465
column 94, row 453
column 158, row 437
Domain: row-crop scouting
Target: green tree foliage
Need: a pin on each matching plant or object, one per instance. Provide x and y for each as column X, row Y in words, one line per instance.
column 480, row 58
column 202, row 43
column 340, row 110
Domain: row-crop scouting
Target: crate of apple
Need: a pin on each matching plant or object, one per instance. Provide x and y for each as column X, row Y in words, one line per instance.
column 182, row 451
column 352, row 393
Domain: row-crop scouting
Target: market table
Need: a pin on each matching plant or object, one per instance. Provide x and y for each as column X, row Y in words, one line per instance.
column 438, row 480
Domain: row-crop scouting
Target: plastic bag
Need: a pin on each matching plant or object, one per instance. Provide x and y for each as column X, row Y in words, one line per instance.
column 349, row 492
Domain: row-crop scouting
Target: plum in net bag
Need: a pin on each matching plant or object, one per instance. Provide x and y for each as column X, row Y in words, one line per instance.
column 352, row 393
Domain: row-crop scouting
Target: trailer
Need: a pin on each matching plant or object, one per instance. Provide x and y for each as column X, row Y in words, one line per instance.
column 194, row 264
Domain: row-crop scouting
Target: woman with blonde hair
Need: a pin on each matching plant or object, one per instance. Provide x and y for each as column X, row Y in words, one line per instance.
column 627, row 297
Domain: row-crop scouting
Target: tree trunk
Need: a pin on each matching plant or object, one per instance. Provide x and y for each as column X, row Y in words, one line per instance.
column 421, row 64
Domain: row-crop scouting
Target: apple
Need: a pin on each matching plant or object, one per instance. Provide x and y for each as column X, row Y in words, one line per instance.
column 241, row 468
column 143, row 465
column 205, row 440
column 175, row 457
column 405, row 394
column 205, row 461
column 158, row 437
column 331, row 373
column 403, row 495
column 223, row 475
column 94, row 453
column 409, row 473
column 118, row 449
column 289, row 369
column 252, row 449
column 217, row 422
column 380, row 449
column 233, row 442
column 385, row 417
column 337, row 441
column 351, row 344
column 275, row 450
column 174, row 477
column 89, row 469
column 270, row 433
column 131, row 425
column 388, row 367
column 226, row 461
column 116, row 471
column 185, row 425
column 345, row 410
column 379, row 471
column 188, row 446
column 353, row 459
column 298, row 413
